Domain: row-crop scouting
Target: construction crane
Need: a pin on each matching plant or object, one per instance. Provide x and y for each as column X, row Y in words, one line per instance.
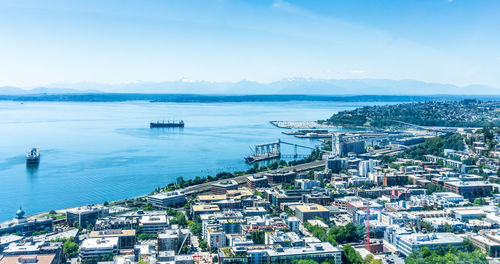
column 183, row 242
column 366, row 206
column 367, row 222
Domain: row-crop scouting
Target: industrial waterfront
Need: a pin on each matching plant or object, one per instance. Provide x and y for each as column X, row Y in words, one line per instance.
column 89, row 157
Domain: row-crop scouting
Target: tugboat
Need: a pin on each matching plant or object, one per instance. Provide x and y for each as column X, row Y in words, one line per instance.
column 166, row 124
column 33, row 156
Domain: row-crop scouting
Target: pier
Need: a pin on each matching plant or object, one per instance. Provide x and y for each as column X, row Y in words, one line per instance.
column 268, row 151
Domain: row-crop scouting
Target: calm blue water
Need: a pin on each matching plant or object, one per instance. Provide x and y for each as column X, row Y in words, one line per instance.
column 96, row 152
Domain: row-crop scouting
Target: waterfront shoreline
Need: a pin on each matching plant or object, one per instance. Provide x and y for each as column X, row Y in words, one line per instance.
column 287, row 168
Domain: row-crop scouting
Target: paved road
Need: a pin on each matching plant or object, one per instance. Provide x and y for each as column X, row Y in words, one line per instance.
column 204, row 187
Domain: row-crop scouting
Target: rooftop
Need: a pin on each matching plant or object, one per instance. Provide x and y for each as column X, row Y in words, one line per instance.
column 468, row 183
column 152, row 219
column 205, row 207
column 168, row 194
column 86, row 209
column 112, row 233
column 256, row 177
column 311, row 208
column 212, row 197
column 38, row 259
column 109, row 242
column 225, row 183
column 432, row 239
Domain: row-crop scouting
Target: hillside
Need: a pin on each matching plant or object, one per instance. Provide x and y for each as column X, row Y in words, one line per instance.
column 465, row 113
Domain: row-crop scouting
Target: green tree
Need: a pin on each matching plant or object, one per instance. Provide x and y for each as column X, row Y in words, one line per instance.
column 147, row 207
column 258, row 237
column 350, row 255
column 371, row 260
column 146, row 236
column 448, row 255
column 203, row 244
column 70, row 247
column 479, row 201
column 304, row 261
column 196, row 229
column 181, row 182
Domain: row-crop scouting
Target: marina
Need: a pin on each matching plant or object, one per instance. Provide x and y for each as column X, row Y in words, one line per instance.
column 300, row 125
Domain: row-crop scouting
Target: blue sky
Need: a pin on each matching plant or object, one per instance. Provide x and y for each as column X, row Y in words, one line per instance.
column 47, row 42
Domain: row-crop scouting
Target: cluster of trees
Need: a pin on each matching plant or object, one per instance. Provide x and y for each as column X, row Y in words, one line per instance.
column 289, row 186
column 468, row 253
column 337, row 234
column 435, row 146
column 315, row 155
column 351, row 256
column 203, row 245
column 258, row 237
column 432, row 188
column 489, row 137
column 70, row 247
column 199, row 180
column 429, row 228
column 258, row 193
column 41, row 232
column 179, row 217
column 145, row 236
column 479, row 201
column 147, row 207
column 196, row 229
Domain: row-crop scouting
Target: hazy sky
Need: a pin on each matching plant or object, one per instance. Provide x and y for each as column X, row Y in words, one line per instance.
column 43, row 42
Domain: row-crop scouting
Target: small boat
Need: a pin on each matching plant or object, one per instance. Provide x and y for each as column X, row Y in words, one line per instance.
column 249, row 159
column 33, row 156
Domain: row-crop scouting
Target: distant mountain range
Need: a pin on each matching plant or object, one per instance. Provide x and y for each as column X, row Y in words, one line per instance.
column 290, row 86
column 10, row 90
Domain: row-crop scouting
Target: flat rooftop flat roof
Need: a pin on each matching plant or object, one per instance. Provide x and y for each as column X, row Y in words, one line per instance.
column 468, row 183
column 86, row 209
column 432, row 239
column 164, row 195
column 108, row 242
column 112, row 233
column 205, row 207
column 255, row 209
column 209, row 197
column 311, row 208
column 469, row 212
column 150, row 219
column 38, row 259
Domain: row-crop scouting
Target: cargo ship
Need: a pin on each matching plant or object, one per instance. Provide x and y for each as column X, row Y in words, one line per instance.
column 166, row 124
column 256, row 158
column 33, row 156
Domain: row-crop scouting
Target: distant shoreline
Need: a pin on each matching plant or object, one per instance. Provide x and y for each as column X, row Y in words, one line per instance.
column 199, row 98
